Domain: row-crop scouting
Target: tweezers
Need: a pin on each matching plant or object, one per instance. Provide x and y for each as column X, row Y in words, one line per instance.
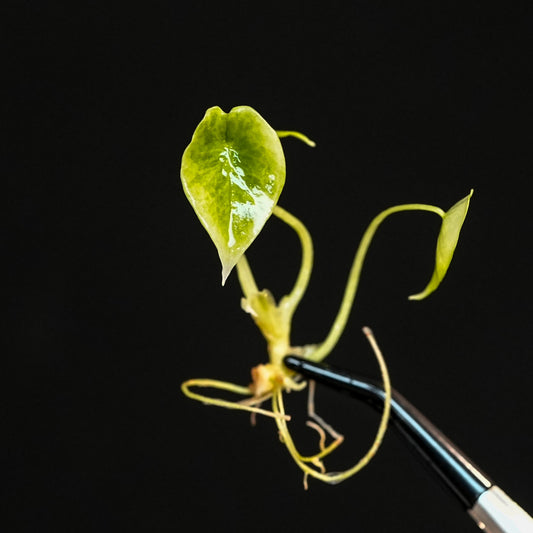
column 490, row 507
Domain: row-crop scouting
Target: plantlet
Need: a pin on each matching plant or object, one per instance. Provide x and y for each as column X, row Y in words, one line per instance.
column 233, row 172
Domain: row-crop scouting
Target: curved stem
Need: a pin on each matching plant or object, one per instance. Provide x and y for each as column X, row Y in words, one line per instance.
column 298, row 135
column 291, row 301
column 353, row 279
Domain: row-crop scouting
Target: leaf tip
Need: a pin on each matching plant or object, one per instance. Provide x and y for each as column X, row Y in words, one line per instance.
column 225, row 275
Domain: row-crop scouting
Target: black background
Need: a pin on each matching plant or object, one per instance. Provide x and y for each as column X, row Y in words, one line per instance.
column 113, row 287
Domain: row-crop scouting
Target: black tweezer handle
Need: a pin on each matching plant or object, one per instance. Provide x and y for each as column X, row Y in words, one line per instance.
column 464, row 479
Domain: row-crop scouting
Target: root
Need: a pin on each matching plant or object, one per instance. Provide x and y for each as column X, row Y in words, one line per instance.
column 312, row 414
column 303, row 462
column 231, row 387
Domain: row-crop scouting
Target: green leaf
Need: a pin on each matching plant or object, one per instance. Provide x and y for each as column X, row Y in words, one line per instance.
column 233, row 172
column 452, row 222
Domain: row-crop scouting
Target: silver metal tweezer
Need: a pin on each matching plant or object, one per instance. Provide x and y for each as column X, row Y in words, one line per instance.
column 487, row 504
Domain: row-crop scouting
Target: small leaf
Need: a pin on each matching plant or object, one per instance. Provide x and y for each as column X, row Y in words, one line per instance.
column 452, row 222
column 233, row 172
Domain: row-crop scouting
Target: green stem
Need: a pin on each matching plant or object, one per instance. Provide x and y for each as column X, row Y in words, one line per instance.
column 246, row 278
column 298, row 135
column 291, row 301
column 353, row 279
